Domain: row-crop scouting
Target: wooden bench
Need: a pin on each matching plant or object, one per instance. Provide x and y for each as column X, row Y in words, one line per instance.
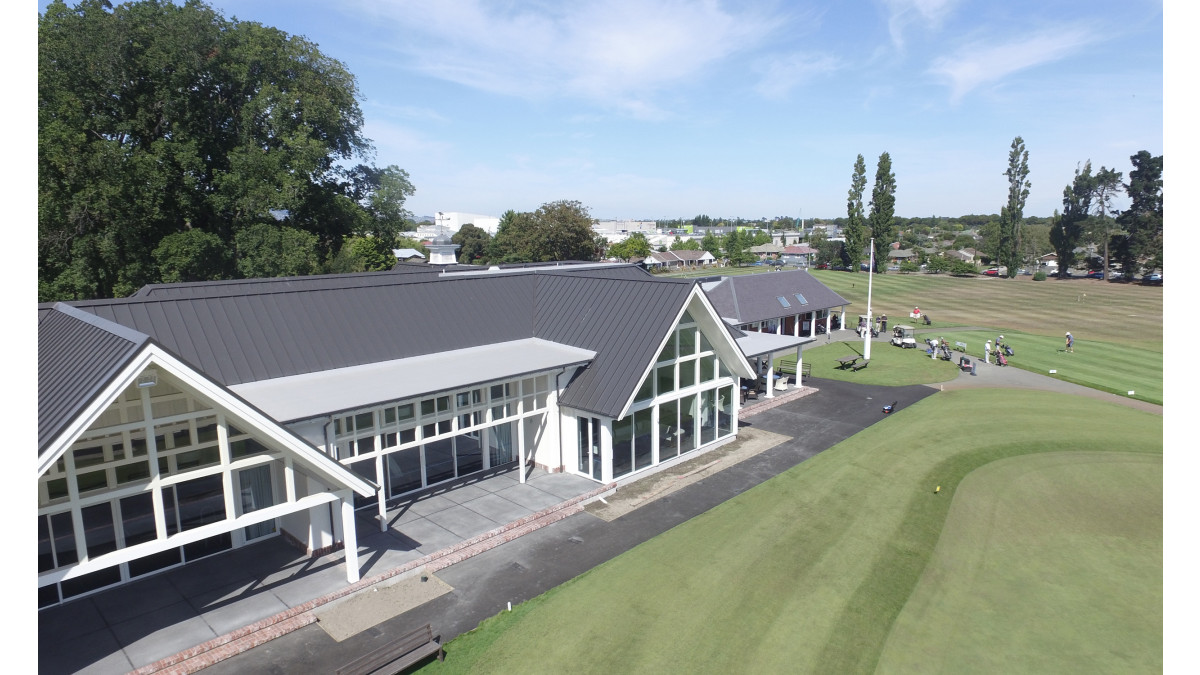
column 847, row 361
column 859, row 366
column 806, row 370
column 401, row 653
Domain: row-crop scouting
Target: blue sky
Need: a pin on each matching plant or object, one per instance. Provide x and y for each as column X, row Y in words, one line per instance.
column 671, row 108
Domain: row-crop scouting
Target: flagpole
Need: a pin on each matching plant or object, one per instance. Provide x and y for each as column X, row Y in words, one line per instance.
column 870, row 317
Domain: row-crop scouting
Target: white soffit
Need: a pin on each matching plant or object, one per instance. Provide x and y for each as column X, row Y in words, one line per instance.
column 757, row 344
column 299, row 397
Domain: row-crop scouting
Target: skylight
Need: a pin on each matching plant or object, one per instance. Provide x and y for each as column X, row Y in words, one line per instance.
column 783, row 301
column 800, row 298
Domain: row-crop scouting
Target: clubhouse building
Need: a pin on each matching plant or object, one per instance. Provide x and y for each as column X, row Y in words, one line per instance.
column 191, row 419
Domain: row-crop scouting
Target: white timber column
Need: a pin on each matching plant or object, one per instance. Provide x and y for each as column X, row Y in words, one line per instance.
column 521, row 445
column 380, row 497
column 796, row 327
column 812, row 326
column 828, row 322
column 800, row 365
column 842, row 318
column 770, row 377
column 779, row 327
column 349, row 537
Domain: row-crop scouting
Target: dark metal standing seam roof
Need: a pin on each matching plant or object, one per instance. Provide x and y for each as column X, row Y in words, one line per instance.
column 754, row 297
column 622, row 320
column 264, row 335
column 78, row 356
column 239, row 333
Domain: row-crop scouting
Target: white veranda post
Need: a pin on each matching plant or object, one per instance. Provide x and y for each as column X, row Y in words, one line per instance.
column 870, row 317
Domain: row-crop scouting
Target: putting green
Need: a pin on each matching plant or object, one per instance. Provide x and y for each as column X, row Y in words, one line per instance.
column 1046, row 563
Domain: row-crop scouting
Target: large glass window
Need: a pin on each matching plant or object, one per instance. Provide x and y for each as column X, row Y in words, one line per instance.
column 668, row 430
column 622, row 446
column 404, row 470
column 689, row 436
column 439, row 461
column 725, row 412
column 468, row 453
column 500, row 444
column 255, row 485
column 643, row 439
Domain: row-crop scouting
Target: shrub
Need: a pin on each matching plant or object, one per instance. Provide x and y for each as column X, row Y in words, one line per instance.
column 1039, row 276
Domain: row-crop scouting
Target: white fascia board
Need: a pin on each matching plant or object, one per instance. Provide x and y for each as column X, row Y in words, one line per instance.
column 283, row 438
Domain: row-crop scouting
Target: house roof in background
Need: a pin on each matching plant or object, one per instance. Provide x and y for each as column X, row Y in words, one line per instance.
column 754, row 297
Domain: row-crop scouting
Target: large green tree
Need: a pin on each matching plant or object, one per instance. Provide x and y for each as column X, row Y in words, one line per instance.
column 158, row 119
column 1108, row 182
column 1143, row 220
column 560, row 230
column 883, row 209
column 1008, row 248
column 1067, row 228
column 473, row 243
column 856, row 229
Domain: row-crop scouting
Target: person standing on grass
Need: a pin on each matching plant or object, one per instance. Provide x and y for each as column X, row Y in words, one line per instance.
column 987, row 352
column 883, row 321
column 1070, row 342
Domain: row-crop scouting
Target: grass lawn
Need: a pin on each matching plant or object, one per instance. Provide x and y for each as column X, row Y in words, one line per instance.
column 1117, row 369
column 1113, row 368
column 1030, row 545
column 890, row 366
column 811, row 570
column 1093, row 310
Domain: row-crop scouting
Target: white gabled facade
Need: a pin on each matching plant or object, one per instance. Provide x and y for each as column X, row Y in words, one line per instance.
column 165, row 467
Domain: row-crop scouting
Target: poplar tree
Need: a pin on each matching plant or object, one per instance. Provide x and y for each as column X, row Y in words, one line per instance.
column 855, row 231
column 883, row 206
column 1012, row 213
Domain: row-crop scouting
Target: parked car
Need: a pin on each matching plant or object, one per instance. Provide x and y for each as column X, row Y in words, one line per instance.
column 1095, row 274
column 1154, row 278
column 1024, row 272
column 823, row 266
column 993, row 272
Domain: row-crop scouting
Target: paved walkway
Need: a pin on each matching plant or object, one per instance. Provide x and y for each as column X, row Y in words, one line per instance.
column 136, row 625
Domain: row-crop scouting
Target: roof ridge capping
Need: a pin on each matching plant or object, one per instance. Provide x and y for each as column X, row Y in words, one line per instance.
column 124, row 332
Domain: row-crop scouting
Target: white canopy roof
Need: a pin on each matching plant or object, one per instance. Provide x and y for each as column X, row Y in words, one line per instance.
column 299, row 397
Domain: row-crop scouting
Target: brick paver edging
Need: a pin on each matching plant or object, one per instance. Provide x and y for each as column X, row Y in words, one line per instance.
column 247, row 637
column 775, row 402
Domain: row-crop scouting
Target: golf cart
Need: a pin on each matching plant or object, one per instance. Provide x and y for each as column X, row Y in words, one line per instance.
column 903, row 336
column 866, row 320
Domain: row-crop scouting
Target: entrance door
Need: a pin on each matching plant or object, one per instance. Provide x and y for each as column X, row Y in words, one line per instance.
column 255, row 485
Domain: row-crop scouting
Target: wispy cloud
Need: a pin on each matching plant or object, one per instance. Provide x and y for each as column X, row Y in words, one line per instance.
column 617, row 52
column 982, row 62
column 927, row 14
column 781, row 75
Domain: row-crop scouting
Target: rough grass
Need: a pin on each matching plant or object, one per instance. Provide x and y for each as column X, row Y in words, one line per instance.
column 808, row 571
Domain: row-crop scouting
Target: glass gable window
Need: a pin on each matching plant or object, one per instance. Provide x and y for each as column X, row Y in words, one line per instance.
column 783, row 301
column 800, row 299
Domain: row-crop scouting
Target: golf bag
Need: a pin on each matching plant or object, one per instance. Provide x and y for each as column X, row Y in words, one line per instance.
column 1000, row 360
column 1008, row 351
column 927, row 321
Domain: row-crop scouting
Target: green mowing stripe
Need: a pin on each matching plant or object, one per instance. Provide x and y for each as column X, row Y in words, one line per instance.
column 805, row 572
